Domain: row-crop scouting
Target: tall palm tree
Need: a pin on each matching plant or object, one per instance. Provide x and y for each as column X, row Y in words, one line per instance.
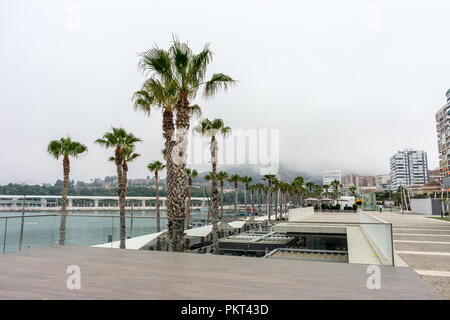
column 123, row 143
column 247, row 180
column 336, row 184
column 259, row 187
column 221, row 177
column 159, row 93
column 269, row 178
column 310, row 186
column 65, row 148
column 235, row 178
column 157, row 167
column 352, row 190
column 252, row 189
column 187, row 72
column 191, row 174
column 212, row 129
column 326, row 187
column 317, row 190
column 297, row 185
column 284, row 188
column 275, row 190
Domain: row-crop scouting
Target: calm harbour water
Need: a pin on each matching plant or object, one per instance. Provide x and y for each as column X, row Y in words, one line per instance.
column 87, row 229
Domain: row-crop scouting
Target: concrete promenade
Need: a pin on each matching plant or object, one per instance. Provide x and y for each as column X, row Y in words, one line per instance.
column 424, row 244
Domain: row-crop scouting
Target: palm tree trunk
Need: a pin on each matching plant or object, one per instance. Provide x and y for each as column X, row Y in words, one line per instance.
column 168, row 133
column 253, row 204
column 276, row 205
column 122, row 206
column 221, row 200
column 245, row 200
column 214, row 194
column 270, row 198
column 235, row 199
column 178, row 180
column 260, row 200
column 62, row 227
column 189, row 200
column 158, row 217
column 120, row 193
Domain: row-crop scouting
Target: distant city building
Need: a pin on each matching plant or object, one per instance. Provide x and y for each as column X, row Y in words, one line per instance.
column 139, row 182
column 434, row 175
column 358, row 181
column 349, row 180
column 409, row 168
column 383, row 182
column 329, row 176
column 443, row 135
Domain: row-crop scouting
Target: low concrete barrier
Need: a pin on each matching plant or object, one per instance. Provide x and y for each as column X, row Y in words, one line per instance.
column 379, row 234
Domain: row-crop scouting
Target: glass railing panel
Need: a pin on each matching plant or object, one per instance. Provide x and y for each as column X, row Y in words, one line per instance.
column 11, row 241
column 89, row 230
column 39, row 231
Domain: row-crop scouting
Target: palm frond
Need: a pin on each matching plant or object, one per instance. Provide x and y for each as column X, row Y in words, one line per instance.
column 218, row 81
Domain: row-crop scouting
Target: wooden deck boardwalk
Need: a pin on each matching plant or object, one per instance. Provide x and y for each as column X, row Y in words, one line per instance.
column 130, row 274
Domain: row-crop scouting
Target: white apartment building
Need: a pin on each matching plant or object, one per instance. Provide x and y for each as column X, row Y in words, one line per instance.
column 409, row 168
column 383, row 182
column 443, row 135
column 329, row 176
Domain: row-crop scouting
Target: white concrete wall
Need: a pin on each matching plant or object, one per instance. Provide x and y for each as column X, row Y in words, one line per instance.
column 426, row 206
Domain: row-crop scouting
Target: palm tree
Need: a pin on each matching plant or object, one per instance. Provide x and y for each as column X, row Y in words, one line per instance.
column 259, row 187
column 159, row 93
column 246, row 180
column 317, row 190
column 65, row 148
column 252, row 188
column 310, row 186
column 326, row 187
column 269, row 178
column 235, row 178
column 187, row 72
column 284, row 188
column 221, row 177
column 123, row 144
column 212, row 129
column 352, row 190
column 298, row 187
column 336, row 184
column 275, row 190
column 190, row 174
column 157, row 167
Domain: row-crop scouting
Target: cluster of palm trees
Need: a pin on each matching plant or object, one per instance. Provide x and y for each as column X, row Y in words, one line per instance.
column 174, row 77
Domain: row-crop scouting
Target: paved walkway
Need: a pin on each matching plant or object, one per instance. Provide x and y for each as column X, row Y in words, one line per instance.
column 41, row 273
column 424, row 244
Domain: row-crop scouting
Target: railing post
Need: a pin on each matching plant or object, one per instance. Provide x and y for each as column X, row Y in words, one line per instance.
column 4, row 237
column 21, row 226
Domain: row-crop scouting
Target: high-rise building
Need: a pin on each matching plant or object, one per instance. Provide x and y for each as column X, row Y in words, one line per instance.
column 409, row 168
column 443, row 135
column 329, row 176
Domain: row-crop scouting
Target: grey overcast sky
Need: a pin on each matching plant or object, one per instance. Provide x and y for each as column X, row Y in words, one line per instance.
column 347, row 83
